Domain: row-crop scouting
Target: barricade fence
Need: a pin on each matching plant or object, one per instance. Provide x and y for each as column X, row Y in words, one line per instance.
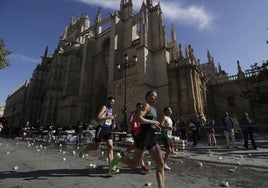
column 120, row 138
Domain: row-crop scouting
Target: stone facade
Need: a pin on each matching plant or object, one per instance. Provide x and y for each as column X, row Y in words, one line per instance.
column 227, row 96
column 71, row 84
column 16, row 106
column 2, row 109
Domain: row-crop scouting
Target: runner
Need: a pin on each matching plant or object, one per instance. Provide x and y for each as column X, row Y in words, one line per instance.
column 166, row 133
column 135, row 129
column 146, row 140
column 106, row 119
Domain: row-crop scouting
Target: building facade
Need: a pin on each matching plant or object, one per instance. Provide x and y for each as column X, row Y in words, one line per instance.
column 71, row 84
column 2, row 109
column 16, row 105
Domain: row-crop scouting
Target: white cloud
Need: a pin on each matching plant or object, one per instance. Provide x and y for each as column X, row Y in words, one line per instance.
column 173, row 10
column 22, row 58
column 110, row 4
column 192, row 15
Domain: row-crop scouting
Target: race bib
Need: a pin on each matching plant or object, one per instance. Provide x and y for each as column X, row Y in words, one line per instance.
column 108, row 121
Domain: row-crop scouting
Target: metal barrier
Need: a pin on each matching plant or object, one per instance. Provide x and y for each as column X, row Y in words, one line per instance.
column 68, row 136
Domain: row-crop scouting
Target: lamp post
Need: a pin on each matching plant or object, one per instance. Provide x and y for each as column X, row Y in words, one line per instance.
column 127, row 64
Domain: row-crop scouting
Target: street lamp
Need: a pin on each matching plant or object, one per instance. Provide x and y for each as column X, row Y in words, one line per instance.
column 127, row 64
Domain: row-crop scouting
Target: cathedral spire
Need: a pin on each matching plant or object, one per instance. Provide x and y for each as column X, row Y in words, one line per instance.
column 149, row 3
column 126, row 9
column 180, row 52
column 209, row 56
column 219, row 67
column 45, row 53
column 72, row 21
column 123, row 2
column 64, row 34
column 98, row 16
column 240, row 73
column 173, row 33
column 98, row 28
column 239, row 67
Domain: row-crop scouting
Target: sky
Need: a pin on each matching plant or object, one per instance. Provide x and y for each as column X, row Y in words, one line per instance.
column 230, row 29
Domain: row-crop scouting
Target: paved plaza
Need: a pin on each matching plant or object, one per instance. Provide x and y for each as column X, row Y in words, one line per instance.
column 36, row 164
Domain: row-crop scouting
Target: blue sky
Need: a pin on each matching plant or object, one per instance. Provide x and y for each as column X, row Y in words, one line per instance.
column 230, row 29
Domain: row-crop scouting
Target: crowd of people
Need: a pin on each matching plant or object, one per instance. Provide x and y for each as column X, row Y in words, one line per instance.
column 190, row 130
column 144, row 123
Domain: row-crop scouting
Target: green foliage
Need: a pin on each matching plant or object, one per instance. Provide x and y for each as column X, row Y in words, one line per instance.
column 260, row 71
column 4, row 62
column 258, row 94
column 94, row 123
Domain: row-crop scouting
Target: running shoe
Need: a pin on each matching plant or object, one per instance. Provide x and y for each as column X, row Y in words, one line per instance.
column 166, row 167
column 115, row 171
column 144, row 169
column 83, row 151
column 114, row 163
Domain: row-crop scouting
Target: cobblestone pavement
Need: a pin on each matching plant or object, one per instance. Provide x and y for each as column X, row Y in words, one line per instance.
column 34, row 164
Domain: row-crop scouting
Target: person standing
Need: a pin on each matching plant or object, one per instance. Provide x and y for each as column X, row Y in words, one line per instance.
column 211, row 132
column 79, row 133
column 228, row 127
column 166, row 134
column 106, row 119
column 181, row 128
column 199, row 122
column 193, row 126
column 135, row 129
column 146, row 140
column 246, row 125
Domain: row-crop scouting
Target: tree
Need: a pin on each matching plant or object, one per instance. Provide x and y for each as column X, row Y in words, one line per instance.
column 261, row 70
column 4, row 62
column 258, row 94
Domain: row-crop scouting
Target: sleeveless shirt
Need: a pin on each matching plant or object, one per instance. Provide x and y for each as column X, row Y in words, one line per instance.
column 152, row 115
column 107, row 122
column 167, row 132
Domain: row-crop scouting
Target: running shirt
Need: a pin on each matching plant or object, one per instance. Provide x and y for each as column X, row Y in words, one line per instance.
column 152, row 115
column 107, row 122
column 134, row 126
column 146, row 137
column 167, row 132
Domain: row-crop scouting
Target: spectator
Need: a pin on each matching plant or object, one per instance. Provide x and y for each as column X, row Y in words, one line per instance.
column 79, row 133
column 194, row 127
column 181, row 128
column 246, row 125
column 228, row 127
column 211, row 132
